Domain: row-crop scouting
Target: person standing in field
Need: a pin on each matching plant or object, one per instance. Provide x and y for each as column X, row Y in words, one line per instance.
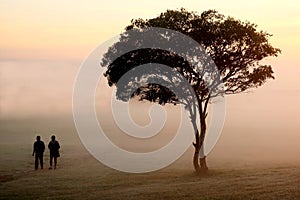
column 54, row 151
column 38, row 151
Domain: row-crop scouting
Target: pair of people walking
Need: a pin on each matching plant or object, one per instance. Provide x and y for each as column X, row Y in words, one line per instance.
column 39, row 148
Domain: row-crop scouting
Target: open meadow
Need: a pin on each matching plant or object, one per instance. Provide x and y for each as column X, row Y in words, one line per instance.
column 239, row 175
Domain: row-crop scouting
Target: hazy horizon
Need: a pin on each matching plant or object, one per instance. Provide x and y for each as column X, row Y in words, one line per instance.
column 40, row 58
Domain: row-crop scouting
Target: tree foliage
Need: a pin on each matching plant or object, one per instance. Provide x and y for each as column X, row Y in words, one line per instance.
column 237, row 49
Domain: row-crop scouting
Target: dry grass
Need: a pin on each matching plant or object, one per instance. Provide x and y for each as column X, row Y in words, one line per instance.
column 79, row 176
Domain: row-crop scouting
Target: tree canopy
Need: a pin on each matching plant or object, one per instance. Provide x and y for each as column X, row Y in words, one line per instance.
column 236, row 48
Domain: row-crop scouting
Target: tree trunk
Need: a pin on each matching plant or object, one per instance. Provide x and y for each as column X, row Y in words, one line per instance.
column 200, row 163
column 203, row 164
column 202, row 160
column 196, row 154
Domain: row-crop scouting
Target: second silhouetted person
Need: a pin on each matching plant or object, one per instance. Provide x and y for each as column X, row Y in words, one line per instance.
column 54, row 151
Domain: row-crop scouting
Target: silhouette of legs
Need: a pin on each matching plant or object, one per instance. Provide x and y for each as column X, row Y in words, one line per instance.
column 55, row 162
column 41, row 161
column 36, row 162
column 51, row 159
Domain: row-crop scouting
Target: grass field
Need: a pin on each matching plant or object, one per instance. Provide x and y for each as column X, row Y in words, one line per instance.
column 80, row 176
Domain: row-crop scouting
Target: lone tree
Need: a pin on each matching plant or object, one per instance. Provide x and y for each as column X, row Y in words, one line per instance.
column 236, row 48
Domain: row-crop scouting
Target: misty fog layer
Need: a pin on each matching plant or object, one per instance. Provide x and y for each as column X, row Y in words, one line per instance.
column 36, row 98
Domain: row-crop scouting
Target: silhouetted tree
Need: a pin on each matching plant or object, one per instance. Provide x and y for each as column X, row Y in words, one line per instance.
column 236, row 48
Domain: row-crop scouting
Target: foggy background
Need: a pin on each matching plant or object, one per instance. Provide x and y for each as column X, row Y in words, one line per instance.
column 38, row 68
column 262, row 125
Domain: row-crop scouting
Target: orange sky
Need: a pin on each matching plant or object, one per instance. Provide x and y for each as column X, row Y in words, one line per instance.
column 42, row 44
column 70, row 30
